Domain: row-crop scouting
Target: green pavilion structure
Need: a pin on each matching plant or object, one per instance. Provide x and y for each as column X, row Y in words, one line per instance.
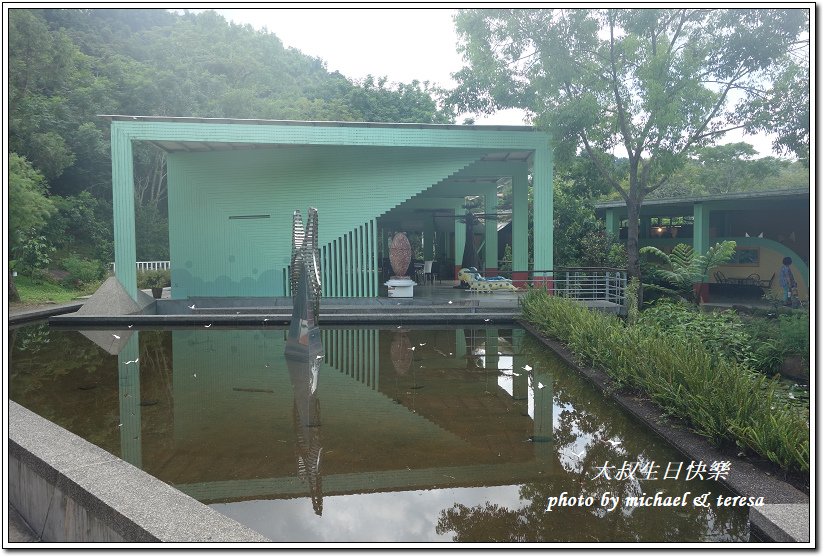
column 233, row 186
column 765, row 225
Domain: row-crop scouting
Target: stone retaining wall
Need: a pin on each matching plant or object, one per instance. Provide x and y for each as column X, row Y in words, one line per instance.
column 69, row 490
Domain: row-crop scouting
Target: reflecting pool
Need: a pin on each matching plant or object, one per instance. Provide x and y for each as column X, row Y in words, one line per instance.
column 395, row 435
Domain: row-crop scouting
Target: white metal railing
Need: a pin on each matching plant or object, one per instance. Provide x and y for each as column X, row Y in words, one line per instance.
column 148, row 265
column 591, row 284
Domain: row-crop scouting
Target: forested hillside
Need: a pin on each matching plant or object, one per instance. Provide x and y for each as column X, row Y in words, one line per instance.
column 68, row 66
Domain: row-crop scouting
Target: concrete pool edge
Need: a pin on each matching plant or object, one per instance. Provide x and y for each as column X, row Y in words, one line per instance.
column 777, row 521
column 69, row 490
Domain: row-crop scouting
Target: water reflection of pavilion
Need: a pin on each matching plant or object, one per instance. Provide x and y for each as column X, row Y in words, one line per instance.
column 460, row 414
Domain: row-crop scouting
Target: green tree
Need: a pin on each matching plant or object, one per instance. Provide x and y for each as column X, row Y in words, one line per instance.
column 731, row 168
column 652, row 84
column 80, row 226
column 581, row 240
column 67, row 66
column 783, row 107
column 29, row 207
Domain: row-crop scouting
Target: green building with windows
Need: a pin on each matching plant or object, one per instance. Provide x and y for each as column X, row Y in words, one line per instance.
column 234, row 184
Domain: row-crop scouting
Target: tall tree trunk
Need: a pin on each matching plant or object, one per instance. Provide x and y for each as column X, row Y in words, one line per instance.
column 633, row 261
column 14, row 296
column 633, row 257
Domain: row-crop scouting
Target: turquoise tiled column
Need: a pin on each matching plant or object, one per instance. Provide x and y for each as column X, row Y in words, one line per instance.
column 125, row 255
column 542, row 205
column 460, row 237
column 701, row 228
column 491, row 230
column 520, row 236
column 612, row 223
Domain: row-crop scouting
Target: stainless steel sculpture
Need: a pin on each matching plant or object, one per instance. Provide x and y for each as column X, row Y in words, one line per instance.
column 304, row 336
column 304, row 350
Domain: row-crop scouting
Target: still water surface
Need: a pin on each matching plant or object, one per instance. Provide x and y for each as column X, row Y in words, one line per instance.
column 397, row 435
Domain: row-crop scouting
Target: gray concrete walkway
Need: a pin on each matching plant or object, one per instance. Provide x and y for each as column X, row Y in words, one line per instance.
column 19, row 313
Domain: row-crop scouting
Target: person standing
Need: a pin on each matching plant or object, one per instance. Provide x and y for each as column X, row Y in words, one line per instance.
column 787, row 280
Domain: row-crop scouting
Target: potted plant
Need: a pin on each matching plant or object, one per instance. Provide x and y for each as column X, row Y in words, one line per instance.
column 156, row 279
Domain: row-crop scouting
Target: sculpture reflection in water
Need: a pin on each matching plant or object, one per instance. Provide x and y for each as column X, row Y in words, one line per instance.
column 304, row 351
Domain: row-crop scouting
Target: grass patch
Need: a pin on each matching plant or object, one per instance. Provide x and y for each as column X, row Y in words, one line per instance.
column 722, row 399
column 39, row 291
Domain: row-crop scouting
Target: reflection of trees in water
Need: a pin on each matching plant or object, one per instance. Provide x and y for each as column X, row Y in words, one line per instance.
column 85, row 375
column 153, row 359
column 583, row 413
column 73, row 382
column 531, row 523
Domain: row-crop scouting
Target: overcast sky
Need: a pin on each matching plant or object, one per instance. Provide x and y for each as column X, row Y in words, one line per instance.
column 401, row 44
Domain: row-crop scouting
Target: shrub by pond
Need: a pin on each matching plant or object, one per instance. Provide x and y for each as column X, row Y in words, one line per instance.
column 706, row 381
